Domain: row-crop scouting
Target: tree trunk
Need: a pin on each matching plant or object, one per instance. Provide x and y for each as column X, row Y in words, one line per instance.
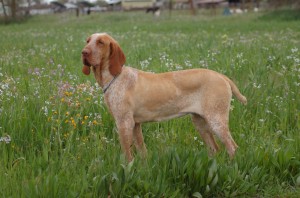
column 4, row 10
column 13, row 7
column 192, row 7
column 170, row 7
column 27, row 12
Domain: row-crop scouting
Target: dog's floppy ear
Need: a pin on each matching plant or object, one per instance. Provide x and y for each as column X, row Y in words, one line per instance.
column 86, row 70
column 116, row 59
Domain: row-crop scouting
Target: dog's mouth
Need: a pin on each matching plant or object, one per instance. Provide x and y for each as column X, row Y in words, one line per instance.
column 86, row 62
column 87, row 66
column 86, row 69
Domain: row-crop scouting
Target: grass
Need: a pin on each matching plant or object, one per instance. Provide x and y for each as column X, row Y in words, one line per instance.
column 62, row 142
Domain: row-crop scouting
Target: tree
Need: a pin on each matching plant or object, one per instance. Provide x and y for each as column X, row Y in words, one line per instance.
column 13, row 5
column 192, row 7
column 13, row 9
column 4, row 10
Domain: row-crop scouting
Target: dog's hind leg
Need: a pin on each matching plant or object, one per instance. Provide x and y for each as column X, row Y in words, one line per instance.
column 125, row 127
column 139, row 140
column 205, row 133
column 219, row 125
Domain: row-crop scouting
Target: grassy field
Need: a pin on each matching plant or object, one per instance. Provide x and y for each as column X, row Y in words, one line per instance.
column 58, row 139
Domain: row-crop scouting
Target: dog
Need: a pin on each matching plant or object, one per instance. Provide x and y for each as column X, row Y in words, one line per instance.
column 153, row 9
column 134, row 96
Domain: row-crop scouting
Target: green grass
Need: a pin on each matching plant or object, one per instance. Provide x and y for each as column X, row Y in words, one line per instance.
column 282, row 15
column 64, row 142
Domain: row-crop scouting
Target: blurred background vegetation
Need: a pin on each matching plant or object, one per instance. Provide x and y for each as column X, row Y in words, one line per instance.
column 19, row 10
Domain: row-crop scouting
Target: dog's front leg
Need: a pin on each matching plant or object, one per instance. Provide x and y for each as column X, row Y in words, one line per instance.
column 125, row 127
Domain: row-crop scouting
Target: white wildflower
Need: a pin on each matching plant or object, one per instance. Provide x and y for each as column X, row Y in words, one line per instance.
column 268, row 111
column 45, row 109
column 297, row 84
column 294, row 50
column 5, row 139
column 239, row 55
column 188, row 63
column 178, row 67
column 144, row 64
column 271, row 58
column 258, row 86
column 279, row 132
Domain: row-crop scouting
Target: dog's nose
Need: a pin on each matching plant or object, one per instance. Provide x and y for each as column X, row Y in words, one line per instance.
column 85, row 52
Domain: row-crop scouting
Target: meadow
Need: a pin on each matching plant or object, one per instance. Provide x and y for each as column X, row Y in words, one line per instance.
column 57, row 138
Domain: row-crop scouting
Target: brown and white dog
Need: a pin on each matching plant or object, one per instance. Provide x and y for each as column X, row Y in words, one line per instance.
column 134, row 96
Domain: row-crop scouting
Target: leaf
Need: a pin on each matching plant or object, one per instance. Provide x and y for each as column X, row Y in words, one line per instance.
column 207, row 189
column 16, row 161
column 197, row 195
column 215, row 181
column 114, row 177
column 211, row 171
column 298, row 181
column 129, row 166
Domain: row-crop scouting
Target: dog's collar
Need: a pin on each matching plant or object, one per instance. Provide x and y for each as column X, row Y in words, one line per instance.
column 105, row 88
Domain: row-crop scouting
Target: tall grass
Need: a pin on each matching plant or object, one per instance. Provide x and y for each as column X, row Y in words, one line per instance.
column 58, row 139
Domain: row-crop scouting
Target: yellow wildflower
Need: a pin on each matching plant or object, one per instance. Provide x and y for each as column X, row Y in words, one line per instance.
column 66, row 135
column 73, row 123
column 68, row 93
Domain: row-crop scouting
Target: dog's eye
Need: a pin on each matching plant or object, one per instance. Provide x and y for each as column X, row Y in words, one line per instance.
column 88, row 39
column 100, row 42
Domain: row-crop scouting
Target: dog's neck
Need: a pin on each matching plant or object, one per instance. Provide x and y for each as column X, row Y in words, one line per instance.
column 103, row 76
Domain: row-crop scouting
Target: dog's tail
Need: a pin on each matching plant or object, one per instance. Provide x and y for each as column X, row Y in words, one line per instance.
column 236, row 91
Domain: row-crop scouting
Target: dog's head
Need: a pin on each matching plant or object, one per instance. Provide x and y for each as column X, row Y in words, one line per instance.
column 102, row 50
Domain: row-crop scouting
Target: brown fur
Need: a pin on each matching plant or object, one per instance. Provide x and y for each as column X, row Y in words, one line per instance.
column 135, row 96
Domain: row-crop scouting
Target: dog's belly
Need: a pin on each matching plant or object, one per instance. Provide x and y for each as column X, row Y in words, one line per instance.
column 162, row 118
column 164, row 112
column 150, row 117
